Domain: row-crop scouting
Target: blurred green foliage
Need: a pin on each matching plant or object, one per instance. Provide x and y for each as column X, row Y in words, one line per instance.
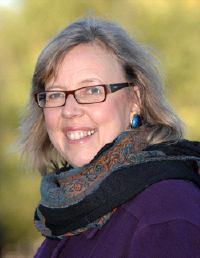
column 170, row 28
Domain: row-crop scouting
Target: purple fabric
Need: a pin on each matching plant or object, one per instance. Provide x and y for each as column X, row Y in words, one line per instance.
column 161, row 222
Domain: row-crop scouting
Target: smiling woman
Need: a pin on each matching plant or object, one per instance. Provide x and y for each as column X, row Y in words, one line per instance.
column 69, row 128
column 122, row 177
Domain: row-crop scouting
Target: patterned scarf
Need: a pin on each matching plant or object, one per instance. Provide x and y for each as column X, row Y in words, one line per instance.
column 78, row 199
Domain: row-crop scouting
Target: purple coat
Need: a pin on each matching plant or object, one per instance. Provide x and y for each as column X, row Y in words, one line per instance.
column 161, row 222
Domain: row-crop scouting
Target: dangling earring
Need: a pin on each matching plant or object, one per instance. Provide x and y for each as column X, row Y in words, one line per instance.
column 136, row 121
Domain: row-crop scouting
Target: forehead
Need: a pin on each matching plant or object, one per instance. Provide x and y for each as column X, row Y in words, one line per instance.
column 88, row 63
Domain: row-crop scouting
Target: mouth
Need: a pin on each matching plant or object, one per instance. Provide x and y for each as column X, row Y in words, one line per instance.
column 79, row 134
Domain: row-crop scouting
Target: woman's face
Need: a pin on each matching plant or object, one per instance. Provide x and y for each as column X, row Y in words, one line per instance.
column 79, row 131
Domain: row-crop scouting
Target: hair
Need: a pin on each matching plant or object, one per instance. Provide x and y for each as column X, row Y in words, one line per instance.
column 163, row 125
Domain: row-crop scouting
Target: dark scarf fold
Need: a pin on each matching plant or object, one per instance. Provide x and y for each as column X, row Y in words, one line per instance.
column 75, row 200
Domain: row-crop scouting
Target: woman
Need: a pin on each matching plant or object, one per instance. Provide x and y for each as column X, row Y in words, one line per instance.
column 123, row 182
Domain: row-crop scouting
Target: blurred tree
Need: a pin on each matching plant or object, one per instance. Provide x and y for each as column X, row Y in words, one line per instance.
column 170, row 27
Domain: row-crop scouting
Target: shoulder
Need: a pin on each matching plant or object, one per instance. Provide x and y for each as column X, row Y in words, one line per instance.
column 47, row 248
column 164, row 201
column 168, row 221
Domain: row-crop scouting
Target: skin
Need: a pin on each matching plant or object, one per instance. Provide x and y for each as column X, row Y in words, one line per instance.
column 86, row 65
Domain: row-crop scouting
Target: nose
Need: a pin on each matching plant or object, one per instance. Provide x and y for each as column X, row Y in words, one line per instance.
column 72, row 108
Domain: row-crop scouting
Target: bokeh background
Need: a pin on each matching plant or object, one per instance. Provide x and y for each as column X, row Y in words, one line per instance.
column 171, row 29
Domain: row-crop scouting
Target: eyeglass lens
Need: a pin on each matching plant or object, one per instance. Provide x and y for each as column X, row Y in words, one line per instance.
column 92, row 94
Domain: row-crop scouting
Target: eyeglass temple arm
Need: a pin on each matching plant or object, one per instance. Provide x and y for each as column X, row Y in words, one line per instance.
column 118, row 86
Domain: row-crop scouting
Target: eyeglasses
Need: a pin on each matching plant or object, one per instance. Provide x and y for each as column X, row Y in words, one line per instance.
column 84, row 95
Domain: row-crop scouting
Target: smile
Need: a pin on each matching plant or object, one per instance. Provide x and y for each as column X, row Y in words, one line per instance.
column 77, row 135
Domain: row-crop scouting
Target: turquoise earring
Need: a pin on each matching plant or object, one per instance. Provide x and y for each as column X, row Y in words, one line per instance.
column 136, row 121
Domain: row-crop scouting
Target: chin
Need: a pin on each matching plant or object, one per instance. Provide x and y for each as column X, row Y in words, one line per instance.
column 76, row 159
column 79, row 163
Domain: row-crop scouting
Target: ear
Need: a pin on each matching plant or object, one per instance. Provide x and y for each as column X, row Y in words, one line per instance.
column 136, row 101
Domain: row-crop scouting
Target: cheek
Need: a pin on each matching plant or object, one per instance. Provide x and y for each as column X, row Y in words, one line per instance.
column 120, row 110
column 115, row 114
column 51, row 120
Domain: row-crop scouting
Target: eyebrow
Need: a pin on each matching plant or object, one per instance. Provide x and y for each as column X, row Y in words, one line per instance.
column 49, row 87
column 89, row 80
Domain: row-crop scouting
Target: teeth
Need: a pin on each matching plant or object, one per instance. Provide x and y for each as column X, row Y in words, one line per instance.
column 79, row 134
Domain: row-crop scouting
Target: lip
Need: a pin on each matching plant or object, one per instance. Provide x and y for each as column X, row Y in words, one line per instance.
column 66, row 131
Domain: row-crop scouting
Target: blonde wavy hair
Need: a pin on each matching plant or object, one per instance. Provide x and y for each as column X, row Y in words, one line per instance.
column 163, row 125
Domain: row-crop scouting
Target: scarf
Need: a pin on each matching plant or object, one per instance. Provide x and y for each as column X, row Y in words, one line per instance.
column 77, row 199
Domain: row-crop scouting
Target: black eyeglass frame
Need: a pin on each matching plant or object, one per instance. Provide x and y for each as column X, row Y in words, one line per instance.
column 108, row 88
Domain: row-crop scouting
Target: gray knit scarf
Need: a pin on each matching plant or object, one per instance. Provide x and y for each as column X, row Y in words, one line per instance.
column 78, row 199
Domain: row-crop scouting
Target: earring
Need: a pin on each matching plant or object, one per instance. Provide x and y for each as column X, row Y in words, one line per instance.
column 136, row 121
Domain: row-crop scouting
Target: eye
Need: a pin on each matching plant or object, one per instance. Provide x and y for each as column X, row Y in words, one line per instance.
column 55, row 95
column 95, row 90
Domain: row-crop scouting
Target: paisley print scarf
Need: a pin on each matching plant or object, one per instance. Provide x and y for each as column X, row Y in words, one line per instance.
column 77, row 199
